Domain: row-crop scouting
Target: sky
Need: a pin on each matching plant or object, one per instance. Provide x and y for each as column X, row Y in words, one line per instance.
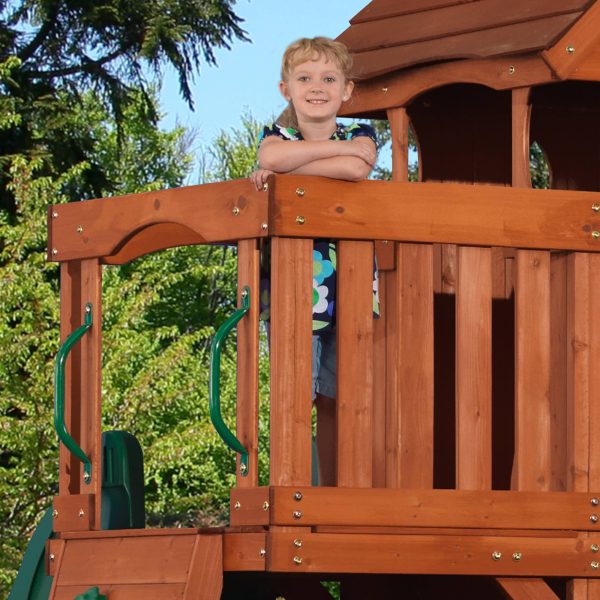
column 246, row 77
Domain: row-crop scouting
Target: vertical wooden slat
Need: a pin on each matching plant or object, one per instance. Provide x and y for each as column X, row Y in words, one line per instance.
column 474, row 369
column 409, row 435
column 291, row 342
column 247, row 360
column 355, row 364
column 532, row 469
column 521, row 119
column 379, row 386
column 399, row 125
column 81, row 282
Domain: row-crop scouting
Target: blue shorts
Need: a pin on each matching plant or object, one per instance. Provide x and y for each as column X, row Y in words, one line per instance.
column 324, row 364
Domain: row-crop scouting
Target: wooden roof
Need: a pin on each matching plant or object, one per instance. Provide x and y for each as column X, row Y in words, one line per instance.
column 388, row 35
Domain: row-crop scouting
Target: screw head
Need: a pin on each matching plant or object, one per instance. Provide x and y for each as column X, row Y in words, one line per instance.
column 79, row 229
column 570, row 49
column 595, row 564
column 237, row 505
column 265, row 187
column 300, row 220
column 595, row 501
column 496, row 555
column 596, row 234
column 264, row 226
column 81, row 512
column 265, row 505
column 87, row 476
column 517, row 556
column 300, row 192
column 243, row 467
column 297, row 560
column 235, row 211
column 51, row 557
column 511, row 69
column 594, row 547
column 262, row 552
column 297, row 514
column 385, row 90
column 298, row 496
column 593, row 518
column 298, row 543
column 54, row 214
column 54, row 514
column 54, row 251
column 596, row 208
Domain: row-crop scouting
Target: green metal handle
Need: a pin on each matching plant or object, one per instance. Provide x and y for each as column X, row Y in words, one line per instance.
column 59, row 394
column 214, row 382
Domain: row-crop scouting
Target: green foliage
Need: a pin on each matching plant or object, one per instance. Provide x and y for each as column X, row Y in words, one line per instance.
column 540, row 172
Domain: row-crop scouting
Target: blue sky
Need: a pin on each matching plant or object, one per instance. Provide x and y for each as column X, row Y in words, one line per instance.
column 246, row 76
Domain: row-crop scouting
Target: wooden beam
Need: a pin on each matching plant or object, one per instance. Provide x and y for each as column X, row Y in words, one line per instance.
column 521, row 119
column 526, row 589
column 434, row 212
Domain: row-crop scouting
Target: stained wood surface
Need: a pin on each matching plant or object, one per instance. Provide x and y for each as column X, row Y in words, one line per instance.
column 431, row 212
column 249, row 506
column 589, row 68
column 205, row 575
column 430, row 554
column 291, row 343
column 474, row 369
column 247, row 361
column 527, row 589
column 380, row 383
column 354, row 307
column 244, row 551
column 521, row 118
column 382, row 9
column 169, row 591
column 400, row 88
column 431, row 508
column 100, row 228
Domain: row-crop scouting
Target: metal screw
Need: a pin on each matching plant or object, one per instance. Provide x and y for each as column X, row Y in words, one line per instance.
column 298, row 543
column 264, row 226
column 262, row 552
column 265, row 505
column 81, row 512
column 243, row 466
column 88, row 309
column 235, row 211
column 300, row 220
column 300, row 191
column 384, row 242
column 297, row 514
column 595, row 564
column 570, row 49
column 298, row 560
column 596, row 207
column 87, row 476
column 79, row 229
column 511, row 69
column 54, row 514
column 517, row 556
column 265, row 187
column 593, row 518
column 594, row 547
column 237, row 505
column 595, row 501
column 54, row 251
column 385, row 90
column 496, row 555
column 596, row 234
column 54, row 214
column 51, row 557
column 298, row 496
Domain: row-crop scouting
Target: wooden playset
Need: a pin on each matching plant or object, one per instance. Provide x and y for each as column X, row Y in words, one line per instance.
column 468, row 415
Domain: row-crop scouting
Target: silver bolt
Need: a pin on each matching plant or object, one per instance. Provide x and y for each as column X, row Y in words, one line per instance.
column 298, row 543
column 79, row 229
column 265, row 505
column 81, row 512
column 517, row 556
column 594, row 501
column 298, row 496
column 595, row 564
column 596, row 208
column 594, row 547
column 87, row 476
column 596, row 234
column 243, row 466
column 262, row 552
column 385, row 90
column 54, row 251
column 235, row 211
column 384, row 242
column 300, row 192
column 297, row 514
column 593, row 518
column 265, row 187
column 237, row 505
column 54, row 514
column 264, row 226
column 570, row 49
column 54, row 214
column 51, row 558
column 297, row 560
column 300, row 220
column 511, row 70
column 496, row 555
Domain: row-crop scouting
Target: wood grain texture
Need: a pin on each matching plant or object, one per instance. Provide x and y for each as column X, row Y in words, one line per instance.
column 521, row 118
column 526, row 589
column 589, row 68
column 100, row 228
column 355, row 364
column 379, row 384
column 291, row 343
column 205, row 575
column 247, row 360
column 474, row 369
column 382, row 9
column 433, row 212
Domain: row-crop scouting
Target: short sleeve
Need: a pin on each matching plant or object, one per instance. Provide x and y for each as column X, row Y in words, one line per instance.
column 284, row 133
column 361, row 130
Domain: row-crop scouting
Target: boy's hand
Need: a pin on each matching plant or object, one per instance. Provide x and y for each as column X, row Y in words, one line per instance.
column 259, row 178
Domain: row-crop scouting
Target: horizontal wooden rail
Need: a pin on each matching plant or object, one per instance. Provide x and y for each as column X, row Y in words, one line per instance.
column 126, row 227
column 482, row 215
column 380, row 507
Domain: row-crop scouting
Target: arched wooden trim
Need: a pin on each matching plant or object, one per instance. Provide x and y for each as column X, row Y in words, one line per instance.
column 521, row 119
column 401, row 88
column 151, row 239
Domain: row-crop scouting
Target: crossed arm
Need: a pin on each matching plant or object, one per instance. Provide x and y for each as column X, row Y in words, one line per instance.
column 351, row 160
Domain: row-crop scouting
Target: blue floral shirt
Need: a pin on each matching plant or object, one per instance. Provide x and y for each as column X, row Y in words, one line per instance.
column 324, row 251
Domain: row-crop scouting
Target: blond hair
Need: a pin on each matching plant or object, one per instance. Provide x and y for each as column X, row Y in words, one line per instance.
column 306, row 49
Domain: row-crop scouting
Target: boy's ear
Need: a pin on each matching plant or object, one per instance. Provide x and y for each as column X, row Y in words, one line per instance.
column 348, row 91
column 283, row 88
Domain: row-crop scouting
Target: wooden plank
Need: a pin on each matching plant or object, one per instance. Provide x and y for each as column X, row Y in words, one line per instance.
column 291, row 327
column 434, row 212
column 575, row 44
column 205, row 575
column 399, row 126
column 521, row 119
column 244, row 551
column 431, row 555
column 400, row 88
column 355, row 364
column 249, row 506
column 452, row 531
column 431, row 508
column 589, row 68
column 409, row 436
column 74, row 512
column 132, row 560
column 212, row 212
column 474, row 369
column 379, row 383
column 532, row 469
column 172, row 591
column 247, row 361
column 476, row 44
column 446, row 21
column 81, row 283
column 383, row 9
column 526, row 589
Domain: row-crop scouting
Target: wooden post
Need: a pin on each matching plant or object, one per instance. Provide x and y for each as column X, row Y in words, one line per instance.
column 247, row 360
column 81, row 284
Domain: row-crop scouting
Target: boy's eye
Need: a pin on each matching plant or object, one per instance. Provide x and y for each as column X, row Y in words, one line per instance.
column 303, row 78
column 329, row 79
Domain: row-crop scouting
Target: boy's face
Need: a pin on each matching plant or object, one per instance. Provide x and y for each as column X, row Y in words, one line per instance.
column 316, row 88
